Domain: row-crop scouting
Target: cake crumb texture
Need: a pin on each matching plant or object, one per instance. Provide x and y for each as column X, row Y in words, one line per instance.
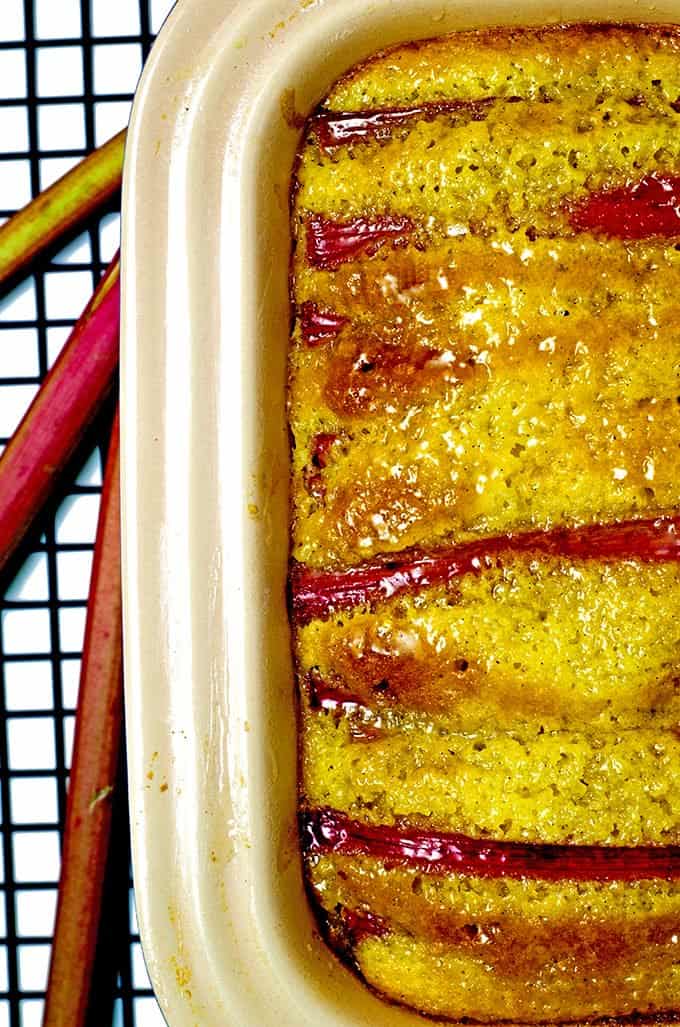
column 470, row 359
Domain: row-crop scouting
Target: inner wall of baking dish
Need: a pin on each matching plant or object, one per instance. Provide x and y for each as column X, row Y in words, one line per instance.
column 321, row 41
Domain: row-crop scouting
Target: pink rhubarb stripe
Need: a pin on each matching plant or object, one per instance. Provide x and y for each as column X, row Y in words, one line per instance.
column 437, row 852
column 348, row 127
column 331, row 242
column 637, row 210
column 317, row 325
column 318, row 593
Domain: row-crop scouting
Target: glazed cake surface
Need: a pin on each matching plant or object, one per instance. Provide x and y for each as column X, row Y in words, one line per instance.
column 484, row 406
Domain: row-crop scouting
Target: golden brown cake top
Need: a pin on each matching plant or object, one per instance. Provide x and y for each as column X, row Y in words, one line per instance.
column 476, row 361
column 484, row 408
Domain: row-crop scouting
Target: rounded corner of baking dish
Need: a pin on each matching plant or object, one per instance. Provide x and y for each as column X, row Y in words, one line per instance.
column 226, row 931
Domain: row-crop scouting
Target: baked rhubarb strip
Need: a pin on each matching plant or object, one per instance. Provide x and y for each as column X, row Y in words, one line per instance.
column 66, row 404
column 637, row 210
column 513, row 921
column 315, row 594
column 328, row 831
column 644, row 209
column 362, row 924
column 364, row 724
column 317, row 325
column 331, row 242
column 323, row 696
column 346, row 127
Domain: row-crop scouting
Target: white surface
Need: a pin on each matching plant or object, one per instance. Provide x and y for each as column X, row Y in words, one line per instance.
column 117, row 67
column 57, row 20
column 228, row 936
column 12, row 21
column 13, row 74
column 114, row 17
column 59, row 71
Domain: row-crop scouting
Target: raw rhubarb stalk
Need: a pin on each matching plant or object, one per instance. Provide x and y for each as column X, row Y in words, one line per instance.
column 317, row 593
column 437, row 852
column 93, row 771
column 331, row 242
column 67, row 402
column 638, row 210
column 61, row 208
column 317, row 326
column 349, row 127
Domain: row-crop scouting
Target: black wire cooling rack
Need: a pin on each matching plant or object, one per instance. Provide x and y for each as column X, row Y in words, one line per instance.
column 68, row 69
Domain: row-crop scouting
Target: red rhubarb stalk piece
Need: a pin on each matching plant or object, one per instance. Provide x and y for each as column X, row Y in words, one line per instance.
column 93, row 772
column 317, row 326
column 437, row 852
column 362, row 725
column 323, row 696
column 637, row 210
column 361, row 924
column 317, row 594
column 348, row 127
column 321, row 447
column 66, row 403
column 62, row 207
column 331, row 242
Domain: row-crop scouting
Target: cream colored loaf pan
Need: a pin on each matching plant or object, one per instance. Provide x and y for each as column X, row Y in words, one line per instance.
column 227, row 933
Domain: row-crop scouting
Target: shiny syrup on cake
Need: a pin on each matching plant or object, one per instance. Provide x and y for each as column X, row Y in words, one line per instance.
column 484, row 403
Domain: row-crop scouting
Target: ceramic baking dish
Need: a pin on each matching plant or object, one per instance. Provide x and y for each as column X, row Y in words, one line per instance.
column 227, row 934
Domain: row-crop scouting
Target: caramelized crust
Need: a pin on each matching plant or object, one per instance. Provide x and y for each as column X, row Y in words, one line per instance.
column 487, row 342
column 476, row 391
column 600, row 939
column 542, row 641
column 439, row 979
column 602, row 920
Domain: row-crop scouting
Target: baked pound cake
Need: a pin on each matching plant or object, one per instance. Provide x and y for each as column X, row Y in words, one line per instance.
column 484, row 408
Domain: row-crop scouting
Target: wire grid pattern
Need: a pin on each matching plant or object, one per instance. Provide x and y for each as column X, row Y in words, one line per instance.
column 68, row 69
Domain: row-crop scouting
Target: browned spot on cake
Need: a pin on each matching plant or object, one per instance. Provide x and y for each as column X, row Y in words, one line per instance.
column 509, row 944
column 410, row 342
column 384, row 509
column 404, row 668
column 647, row 447
column 446, row 274
column 373, row 373
column 390, row 507
column 322, row 445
